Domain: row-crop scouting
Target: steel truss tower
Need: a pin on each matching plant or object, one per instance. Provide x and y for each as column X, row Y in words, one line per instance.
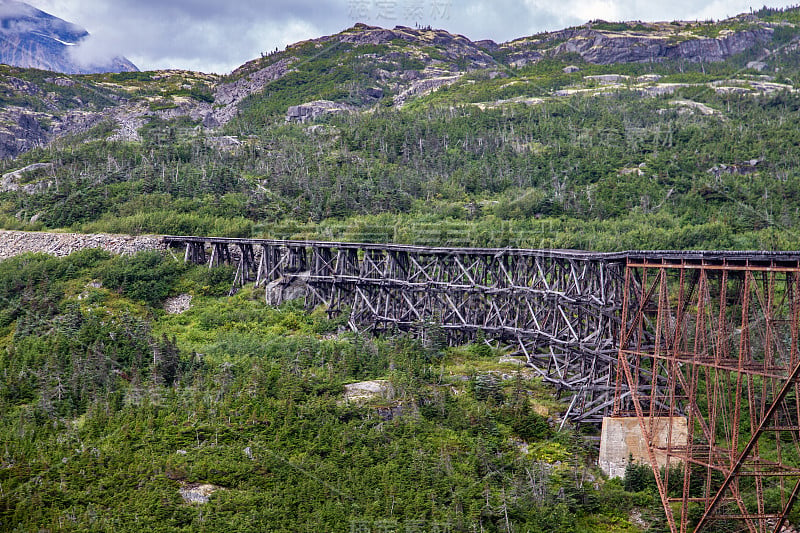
column 719, row 342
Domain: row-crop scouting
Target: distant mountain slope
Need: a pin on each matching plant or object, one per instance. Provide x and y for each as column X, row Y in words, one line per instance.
column 366, row 68
column 605, row 43
column 604, row 136
column 31, row 38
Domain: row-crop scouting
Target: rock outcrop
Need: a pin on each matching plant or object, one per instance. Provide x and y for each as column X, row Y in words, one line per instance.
column 281, row 290
column 19, row 132
column 178, row 304
column 607, row 47
column 10, row 181
column 424, row 86
column 742, row 169
column 227, row 96
column 197, row 493
column 452, row 47
column 367, row 390
column 312, row 110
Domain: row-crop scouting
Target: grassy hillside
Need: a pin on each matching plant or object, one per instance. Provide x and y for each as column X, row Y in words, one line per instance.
column 597, row 172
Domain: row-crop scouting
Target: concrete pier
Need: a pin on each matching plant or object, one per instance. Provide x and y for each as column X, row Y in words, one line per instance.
column 621, row 439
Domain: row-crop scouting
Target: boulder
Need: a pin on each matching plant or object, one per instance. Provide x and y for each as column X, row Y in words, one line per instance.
column 608, row 79
column 373, row 92
column 367, row 390
column 197, row 492
column 178, row 304
column 287, row 288
column 424, row 86
column 507, row 359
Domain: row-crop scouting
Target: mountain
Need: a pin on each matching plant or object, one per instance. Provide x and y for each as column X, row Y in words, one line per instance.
column 661, row 125
column 367, row 66
column 124, row 411
column 31, row 38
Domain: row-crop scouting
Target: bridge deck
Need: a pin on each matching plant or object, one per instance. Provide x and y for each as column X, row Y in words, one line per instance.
column 646, row 256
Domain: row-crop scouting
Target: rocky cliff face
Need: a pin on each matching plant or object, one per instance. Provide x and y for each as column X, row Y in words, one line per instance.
column 19, row 132
column 31, row 38
column 658, row 44
column 452, row 47
column 227, row 96
column 311, row 110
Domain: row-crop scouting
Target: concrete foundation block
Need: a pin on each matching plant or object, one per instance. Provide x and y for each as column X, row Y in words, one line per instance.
column 621, row 438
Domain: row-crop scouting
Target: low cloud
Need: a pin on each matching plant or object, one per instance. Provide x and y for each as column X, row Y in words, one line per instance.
column 92, row 52
column 17, row 26
column 205, row 35
column 10, row 8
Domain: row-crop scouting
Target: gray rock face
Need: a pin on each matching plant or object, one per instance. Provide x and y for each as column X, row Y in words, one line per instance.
column 20, row 132
column 178, row 304
column 456, row 47
column 608, row 79
column 373, row 92
column 604, row 48
column 228, row 95
column 488, row 44
column 282, row 290
column 420, row 87
column 743, row 169
column 311, row 110
column 10, row 181
column 366, row 390
column 197, row 493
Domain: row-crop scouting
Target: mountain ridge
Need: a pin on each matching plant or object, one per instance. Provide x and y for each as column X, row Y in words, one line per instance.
column 366, row 66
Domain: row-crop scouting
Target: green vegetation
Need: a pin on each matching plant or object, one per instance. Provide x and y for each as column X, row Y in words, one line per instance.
column 712, row 30
column 772, row 14
column 531, row 157
column 111, row 407
column 505, row 155
column 602, row 25
column 587, row 172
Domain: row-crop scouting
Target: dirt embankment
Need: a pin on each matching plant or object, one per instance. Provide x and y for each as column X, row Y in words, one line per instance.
column 18, row 242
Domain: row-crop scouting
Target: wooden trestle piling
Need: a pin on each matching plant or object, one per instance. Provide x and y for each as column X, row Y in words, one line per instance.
column 560, row 309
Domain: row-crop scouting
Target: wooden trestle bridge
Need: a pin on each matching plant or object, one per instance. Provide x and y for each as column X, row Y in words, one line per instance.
column 710, row 338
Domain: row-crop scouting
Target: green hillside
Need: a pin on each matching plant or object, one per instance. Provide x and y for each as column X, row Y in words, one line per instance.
column 672, row 154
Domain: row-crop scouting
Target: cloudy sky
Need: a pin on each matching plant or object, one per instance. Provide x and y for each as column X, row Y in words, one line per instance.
column 219, row 35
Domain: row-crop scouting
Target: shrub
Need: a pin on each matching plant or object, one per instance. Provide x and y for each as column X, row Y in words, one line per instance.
column 146, row 276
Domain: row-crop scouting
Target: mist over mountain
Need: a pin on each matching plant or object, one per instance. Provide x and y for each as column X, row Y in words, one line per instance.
column 31, row 38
